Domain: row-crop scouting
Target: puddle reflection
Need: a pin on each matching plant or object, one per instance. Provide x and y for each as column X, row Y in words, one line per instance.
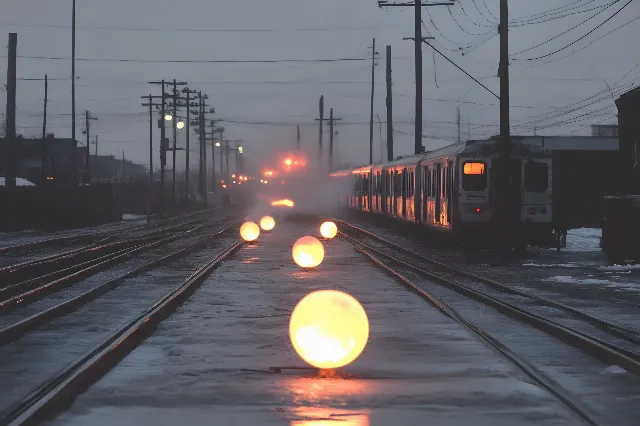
column 312, row 416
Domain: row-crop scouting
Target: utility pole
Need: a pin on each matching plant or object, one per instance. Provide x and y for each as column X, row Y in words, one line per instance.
column 418, row 39
column 149, row 194
column 505, row 218
column 96, row 143
column 73, row 86
column 373, row 88
column 298, row 140
column 163, row 150
column 331, row 139
column 458, row 121
column 226, row 153
column 389, row 108
column 174, row 123
column 10, row 131
column 43, row 165
column 221, row 148
column 88, row 118
column 213, row 156
column 331, row 121
column 320, row 136
column 188, row 124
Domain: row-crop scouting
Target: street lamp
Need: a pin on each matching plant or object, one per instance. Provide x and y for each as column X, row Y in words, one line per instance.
column 217, row 143
column 180, row 125
column 240, row 149
column 168, row 117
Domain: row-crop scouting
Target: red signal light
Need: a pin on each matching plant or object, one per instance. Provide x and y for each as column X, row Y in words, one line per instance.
column 478, row 210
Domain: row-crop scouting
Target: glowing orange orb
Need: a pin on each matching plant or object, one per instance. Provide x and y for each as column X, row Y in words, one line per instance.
column 329, row 329
column 267, row 223
column 308, row 252
column 249, row 231
column 328, row 230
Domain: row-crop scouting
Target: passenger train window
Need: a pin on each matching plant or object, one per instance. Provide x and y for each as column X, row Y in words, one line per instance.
column 474, row 176
column 536, row 177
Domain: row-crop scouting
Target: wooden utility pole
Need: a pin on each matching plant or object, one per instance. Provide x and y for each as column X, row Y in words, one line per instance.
column 418, row 39
column 389, row 108
column 373, row 88
column 10, row 132
column 43, row 164
column 320, row 135
column 213, row 156
column 331, row 121
column 458, row 121
column 149, row 194
column 506, row 215
column 222, row 174
column 73, row 88
column 174, row 124
column 331, row 140
column 88, row 118
column 298, row 140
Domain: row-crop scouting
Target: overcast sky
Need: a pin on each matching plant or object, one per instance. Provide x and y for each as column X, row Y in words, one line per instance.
column 266, row 101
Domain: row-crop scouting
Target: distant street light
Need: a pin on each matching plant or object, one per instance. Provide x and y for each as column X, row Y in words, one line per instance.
column 217, row 143
column 240, row 149
column 180, row 125
column 168, row 117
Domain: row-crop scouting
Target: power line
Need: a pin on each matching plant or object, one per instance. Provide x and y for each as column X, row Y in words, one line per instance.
column 566, row 31
column 194, row 61
column 201, row 30
column 581, row 38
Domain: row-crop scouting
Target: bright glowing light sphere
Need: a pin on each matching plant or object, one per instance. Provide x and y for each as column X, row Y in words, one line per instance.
column 308, row 252
column 180, row 125
column 249, row 231
column 329, row 329
column 328, row 230
column 267, row 223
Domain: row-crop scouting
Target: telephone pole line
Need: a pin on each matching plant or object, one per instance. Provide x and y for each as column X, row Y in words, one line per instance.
column 73, row 85
column 88, row 118
column 507, row 215
column 43, row 165
column 320, row 135
column 298, row 140
column 373, row 88
column 331, row 121
column 389, row 108
column 418, row 39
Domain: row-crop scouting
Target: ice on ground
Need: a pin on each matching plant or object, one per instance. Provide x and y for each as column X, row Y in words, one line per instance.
column 561, row 265
column 565, row 279
column 584, row 240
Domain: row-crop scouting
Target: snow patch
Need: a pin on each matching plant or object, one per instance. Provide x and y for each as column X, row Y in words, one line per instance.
column 584, row 240
column 620, row 268
column 560, row 265
column 614, row 370
column 565, row 279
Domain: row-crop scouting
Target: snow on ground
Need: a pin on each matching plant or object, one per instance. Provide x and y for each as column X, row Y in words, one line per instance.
column 584, row 240
column 565, row 279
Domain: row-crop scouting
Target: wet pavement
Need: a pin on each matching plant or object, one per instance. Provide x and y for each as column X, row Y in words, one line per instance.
column 579, row 276
column 419, row 366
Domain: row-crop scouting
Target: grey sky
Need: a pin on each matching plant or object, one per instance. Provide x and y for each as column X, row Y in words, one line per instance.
column 341, row 29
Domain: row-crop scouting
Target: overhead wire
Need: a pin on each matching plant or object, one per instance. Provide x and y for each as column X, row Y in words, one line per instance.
column 581, row 38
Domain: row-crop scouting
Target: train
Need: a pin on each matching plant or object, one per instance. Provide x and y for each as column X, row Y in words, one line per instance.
column 451, row 190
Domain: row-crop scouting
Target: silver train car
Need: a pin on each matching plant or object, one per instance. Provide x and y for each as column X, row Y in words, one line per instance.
column 452, row 190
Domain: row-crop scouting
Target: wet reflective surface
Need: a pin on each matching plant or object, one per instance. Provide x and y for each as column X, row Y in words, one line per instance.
column 419, row 366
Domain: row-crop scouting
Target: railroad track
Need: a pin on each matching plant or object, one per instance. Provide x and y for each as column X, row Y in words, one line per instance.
column 607, row 342
column 53, row 394
column 91, row 237
column 56, row 265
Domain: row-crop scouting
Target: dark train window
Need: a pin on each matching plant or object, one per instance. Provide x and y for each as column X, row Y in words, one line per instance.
column 474, row 176
column 536, row 177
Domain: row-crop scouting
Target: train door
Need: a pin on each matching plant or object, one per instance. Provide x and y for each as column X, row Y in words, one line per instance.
column 405, row 187
column 515, row 189
column 425, row 192
column 438, row 192
column 449, row 190
column 384, row 190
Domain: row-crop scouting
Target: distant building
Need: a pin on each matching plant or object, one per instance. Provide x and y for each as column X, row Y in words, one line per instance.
column 108, row 168
column 28, row 159
column 606, row 130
